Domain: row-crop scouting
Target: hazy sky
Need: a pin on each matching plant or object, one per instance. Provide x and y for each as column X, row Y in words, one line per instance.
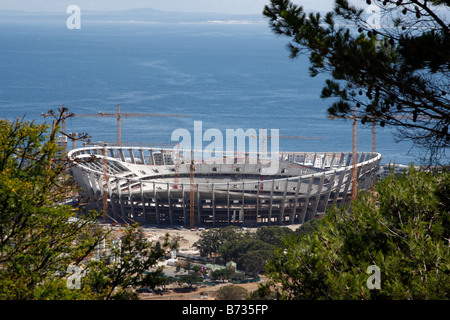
column 223, row 6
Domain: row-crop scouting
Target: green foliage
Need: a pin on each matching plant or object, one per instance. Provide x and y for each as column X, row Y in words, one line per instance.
column 212, row 240
column 189, row 279
column 222, row 274
column 253, row 261
column 404, row 231
column 273, row 235
column 249, row 254
column 126, row 266
column 231, row 292
column 250, row 251
column 308, row 227
column 40, row 237
column 37, row 238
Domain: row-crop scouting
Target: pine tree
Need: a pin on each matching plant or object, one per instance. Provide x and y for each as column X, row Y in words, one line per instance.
column 403, row 229
column 395, row 71
column 44, row 243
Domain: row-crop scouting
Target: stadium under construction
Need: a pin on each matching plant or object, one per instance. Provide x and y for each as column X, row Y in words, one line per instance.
column 162, row 187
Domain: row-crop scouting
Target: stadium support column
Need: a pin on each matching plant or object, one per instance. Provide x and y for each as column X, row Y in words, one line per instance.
column 323, row 204
column 192, row 191
column 169, row 202
column 257, row 200
column 271, row 202
column 105, row 183
column 121, row 155
column 333, row 157
column 199, row 207
column 243, row 202
column 185, row 220
column 130, row 199
column 133, row 159
column 338, row 187
column 341, row 160
column 313, row 212
column 228, row 202
column 297, row 190
column 155, row 196
column 283, row 207
column 308, row 193
column 213, row 204
column 141, row 154
column 152, row 158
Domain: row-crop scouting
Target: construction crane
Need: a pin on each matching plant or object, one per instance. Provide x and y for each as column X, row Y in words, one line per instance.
column 374, row 127
column 374, row 124
column 120, row 115
column 105, row 183
column 133, row 144
column 117, row 115
column 295, row 137
column 354, row 117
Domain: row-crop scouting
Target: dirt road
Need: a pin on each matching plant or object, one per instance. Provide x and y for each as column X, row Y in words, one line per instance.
column 186, row 240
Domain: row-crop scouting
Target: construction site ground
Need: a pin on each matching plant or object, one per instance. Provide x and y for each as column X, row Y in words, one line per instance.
column 201, row 292
column 186, row 240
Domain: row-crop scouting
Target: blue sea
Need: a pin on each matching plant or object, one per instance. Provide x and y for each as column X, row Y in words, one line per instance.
column 227, row 74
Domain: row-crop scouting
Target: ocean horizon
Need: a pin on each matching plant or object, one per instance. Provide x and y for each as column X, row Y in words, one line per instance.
column 227, row 71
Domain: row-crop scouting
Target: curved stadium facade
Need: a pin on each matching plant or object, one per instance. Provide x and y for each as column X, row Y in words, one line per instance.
column 146, row 186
